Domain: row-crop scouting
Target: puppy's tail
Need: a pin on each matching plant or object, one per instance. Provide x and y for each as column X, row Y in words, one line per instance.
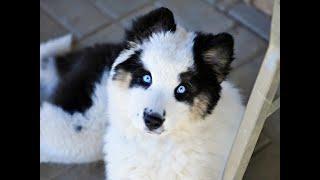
column 48, row 73
column 56, row 46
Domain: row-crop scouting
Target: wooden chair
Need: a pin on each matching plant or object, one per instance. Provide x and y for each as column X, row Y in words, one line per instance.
column 260, row 106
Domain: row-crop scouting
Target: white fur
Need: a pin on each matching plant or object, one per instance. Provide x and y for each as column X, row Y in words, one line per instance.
column 48, row 75
column 59, row 142
column 56, row 46
column 186, row 146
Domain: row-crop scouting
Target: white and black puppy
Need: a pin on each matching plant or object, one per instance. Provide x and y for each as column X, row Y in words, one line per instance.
column 161, row 98
column 172, row 115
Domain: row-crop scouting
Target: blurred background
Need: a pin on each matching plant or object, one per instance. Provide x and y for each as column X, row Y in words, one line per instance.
column 93, row 21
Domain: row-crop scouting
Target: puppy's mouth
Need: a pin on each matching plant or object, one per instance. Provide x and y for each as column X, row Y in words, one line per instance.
column 158, row 131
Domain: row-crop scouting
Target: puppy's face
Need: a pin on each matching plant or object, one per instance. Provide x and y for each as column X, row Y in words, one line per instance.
column 167, row 78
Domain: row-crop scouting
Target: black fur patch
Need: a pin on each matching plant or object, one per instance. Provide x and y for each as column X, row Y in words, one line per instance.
column 134, row 66
column 158, row 20
column 205, row 77
column 200, row 81
column 79, row 72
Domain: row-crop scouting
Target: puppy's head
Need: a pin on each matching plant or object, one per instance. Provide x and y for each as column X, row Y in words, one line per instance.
column 167, row 78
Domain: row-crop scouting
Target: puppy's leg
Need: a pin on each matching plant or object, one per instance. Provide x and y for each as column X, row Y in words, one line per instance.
column 48, row 72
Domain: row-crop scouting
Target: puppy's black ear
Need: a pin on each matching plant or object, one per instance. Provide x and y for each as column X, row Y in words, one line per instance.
column 160, row 19
column 215, row 51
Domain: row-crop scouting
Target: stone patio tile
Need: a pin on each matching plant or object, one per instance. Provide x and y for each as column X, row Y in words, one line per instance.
column 244, row 77
column 126, row 22
column 78, row 16
column 252, row 18
column 49, row 28
column 92, row 171
column 43, row 178
column 247, row 45
column 198, row 16
column 264, row 5
column 224, row 5
column 119, row 8
column 112, row 33
column 48, row 171
column 265, row 165
column 211, row 1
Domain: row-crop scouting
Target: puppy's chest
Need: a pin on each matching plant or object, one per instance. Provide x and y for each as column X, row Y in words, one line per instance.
column 166, row 159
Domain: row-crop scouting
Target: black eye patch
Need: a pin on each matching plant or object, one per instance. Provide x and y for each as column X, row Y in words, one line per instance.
column 139, row 79
column 184, row 92
column 189, row 82
column 198, row 83
column 134, row 66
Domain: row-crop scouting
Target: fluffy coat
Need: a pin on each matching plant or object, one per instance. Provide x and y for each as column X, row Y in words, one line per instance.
column 96, row 100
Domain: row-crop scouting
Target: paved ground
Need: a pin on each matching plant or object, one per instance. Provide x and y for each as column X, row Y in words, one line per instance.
column 94, row 21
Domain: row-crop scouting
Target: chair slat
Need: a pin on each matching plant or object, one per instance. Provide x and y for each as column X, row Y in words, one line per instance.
column 259, row 104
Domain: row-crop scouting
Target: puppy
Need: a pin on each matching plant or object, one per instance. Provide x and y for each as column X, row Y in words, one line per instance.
column 172, row 114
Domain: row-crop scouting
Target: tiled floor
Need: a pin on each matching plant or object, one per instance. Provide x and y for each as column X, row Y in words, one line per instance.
column 94, row 21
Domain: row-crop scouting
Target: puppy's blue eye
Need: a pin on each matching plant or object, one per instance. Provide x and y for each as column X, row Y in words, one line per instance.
column 147, row 79
column 181, row 89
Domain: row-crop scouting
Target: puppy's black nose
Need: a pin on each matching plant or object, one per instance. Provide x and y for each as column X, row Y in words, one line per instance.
column 153, row 120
